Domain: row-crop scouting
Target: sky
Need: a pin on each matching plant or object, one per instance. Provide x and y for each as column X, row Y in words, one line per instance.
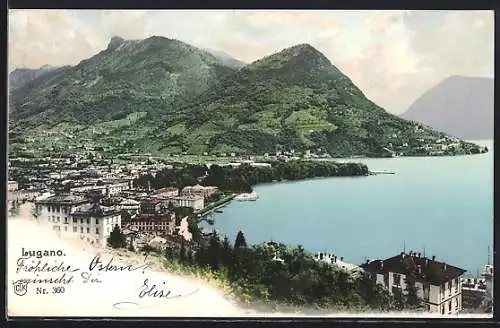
column 392, row 56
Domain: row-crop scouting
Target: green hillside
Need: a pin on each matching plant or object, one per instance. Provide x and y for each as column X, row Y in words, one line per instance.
column 186, row 101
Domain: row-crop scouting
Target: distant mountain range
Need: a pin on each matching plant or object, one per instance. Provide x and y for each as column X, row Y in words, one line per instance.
column 21, row 76
column 460, row 106
column 160, row 95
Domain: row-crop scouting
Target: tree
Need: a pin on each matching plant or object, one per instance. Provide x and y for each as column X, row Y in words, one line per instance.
column 116, row 238
column 226, row 252
column 412, row 300
column 240, row 241
column 194, row 229
column 182, row 254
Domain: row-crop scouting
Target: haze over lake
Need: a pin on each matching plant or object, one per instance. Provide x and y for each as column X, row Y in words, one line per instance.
column 443, row 205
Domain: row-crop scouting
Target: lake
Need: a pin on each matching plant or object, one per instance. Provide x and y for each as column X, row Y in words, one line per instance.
column 440, row 206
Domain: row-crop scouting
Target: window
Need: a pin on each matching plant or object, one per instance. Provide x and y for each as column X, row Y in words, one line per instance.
column 74, row 229
column 81, row 220
column 66, row 228
column 75, row 220
column 88, row 221
column 449, row 306
column 88, row 230
column 96, row 221
column 456, row 285
column 66, row 220
column 456, row 303
column 81, row 229
column 97, row 230
column 58, row 219
column 442, row 309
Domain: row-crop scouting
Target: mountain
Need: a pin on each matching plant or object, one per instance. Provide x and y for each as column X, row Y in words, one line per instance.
column 292, row 99
column 460, row 106
column 163, row 96
column 21, row 76
column 226, row 59
column 129, row 76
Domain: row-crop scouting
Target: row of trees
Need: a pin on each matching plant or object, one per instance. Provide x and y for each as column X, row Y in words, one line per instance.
column 242, row 178
column 276, row 272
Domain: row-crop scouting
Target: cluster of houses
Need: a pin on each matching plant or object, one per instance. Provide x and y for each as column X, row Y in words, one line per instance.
column 96, row 198
column 91, row 213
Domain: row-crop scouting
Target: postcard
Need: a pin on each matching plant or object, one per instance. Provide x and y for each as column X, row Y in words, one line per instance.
column 255, row 163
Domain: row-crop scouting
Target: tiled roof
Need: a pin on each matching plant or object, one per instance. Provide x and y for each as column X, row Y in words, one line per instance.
column 423, row 268
column 95, row 210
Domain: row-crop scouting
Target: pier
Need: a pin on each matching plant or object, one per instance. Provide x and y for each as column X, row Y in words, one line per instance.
column 381, row 172
column 214, row 206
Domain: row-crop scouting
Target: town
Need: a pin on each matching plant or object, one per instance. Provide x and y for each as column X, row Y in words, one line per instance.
column 94, row 200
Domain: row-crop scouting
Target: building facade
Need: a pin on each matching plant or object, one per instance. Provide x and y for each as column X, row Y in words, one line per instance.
column 195, row 202
column 474, row 292
column 77, row 217
column 93, row 223
column 56, row 210
column 438, row 284
column 150, row 206
column 130, row 205
column 163, row 223
column 166, row 193
column 198, row 190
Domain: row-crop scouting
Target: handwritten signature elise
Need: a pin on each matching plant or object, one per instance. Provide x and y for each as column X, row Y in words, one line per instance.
column 151, row 290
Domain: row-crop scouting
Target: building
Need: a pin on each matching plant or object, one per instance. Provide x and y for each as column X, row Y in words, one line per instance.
column 195, row 202
column 116, row 188
column 56, row 210
column 477, row 292
column 150, row 206
column 13, row 186
column 474, row 292
column 336, row 262
column 94, row 223
column 130, row 205
column 162, row 223
column 438, row 284
column 198, row 190
column 166, row 193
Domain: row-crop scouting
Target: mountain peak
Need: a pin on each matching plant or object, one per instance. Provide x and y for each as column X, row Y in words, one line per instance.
column 115, row 42
column 301, row 54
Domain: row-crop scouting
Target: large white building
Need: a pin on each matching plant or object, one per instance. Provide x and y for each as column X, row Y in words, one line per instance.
column 438, row 284
column 56, row 210
column 198, row 190
column 94, row 223
column 165, row 193
column 337, row 262
column 73, row 216
column 195, row 202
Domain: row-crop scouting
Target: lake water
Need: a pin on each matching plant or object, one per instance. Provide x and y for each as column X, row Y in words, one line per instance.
column 442, row 206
